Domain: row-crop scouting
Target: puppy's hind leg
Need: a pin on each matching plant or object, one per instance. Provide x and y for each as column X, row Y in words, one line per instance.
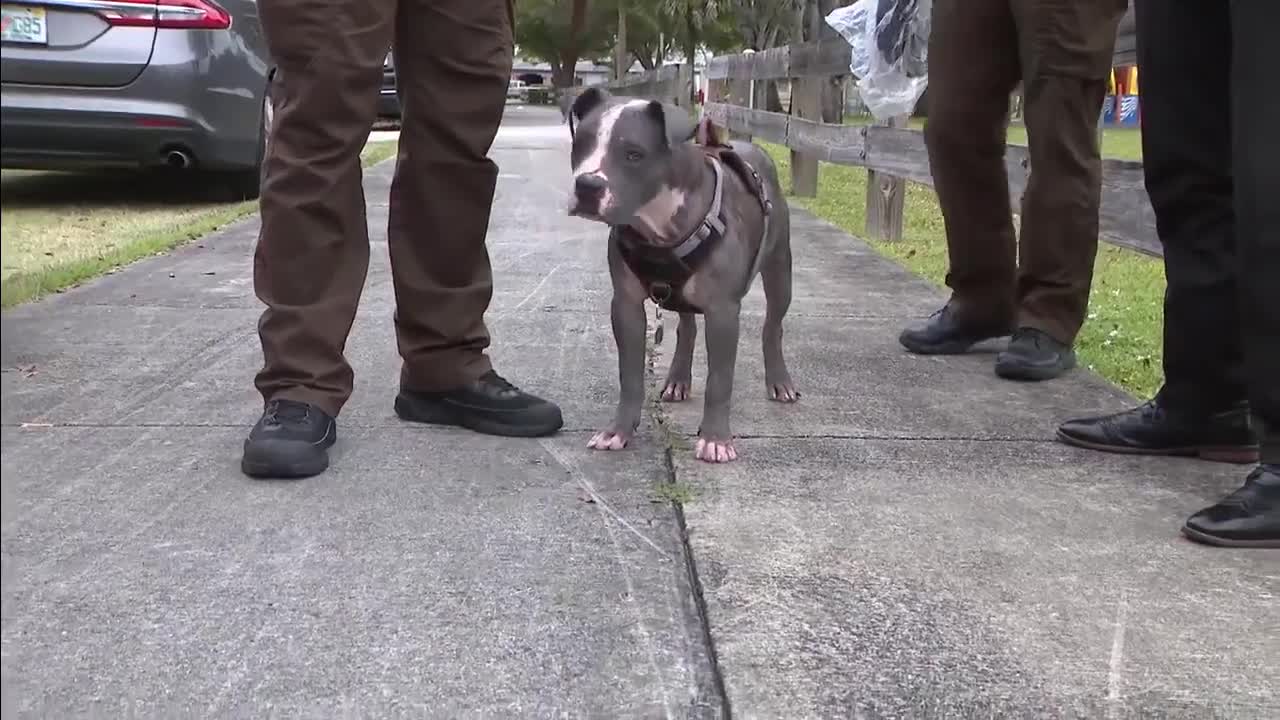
column 680, row 376
column 775, row 274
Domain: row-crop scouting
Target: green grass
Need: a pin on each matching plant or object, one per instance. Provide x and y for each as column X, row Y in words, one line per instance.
column 58, row 230
column 1117, row 143
column 674, row 492
column 1121, row 339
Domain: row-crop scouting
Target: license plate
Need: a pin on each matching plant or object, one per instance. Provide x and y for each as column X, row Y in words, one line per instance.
column 23, row 24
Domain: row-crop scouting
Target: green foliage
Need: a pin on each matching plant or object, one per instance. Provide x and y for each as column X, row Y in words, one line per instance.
column 561, row 32
column 542, row 96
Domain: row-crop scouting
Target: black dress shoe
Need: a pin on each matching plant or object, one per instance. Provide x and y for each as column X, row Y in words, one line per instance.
column 490, row 405
column 1153, row 429
column 945, row 334
column 290, row 440
column 1248, row 517
column 1034, row 355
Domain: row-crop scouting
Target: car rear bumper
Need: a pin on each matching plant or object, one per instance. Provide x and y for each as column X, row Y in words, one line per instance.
column 63, row 127
column 388, row 103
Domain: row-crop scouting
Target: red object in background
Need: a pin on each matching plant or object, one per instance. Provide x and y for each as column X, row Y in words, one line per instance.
column 702, row 97
column 177, row 14
column 161, row 122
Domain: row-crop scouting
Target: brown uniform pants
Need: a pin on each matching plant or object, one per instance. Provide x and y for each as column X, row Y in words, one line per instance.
column 453, row 63
column 1061, row 51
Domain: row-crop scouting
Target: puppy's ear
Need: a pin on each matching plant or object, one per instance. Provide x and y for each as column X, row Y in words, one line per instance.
column 709, row 133
column 587, row 101
column 677, row 125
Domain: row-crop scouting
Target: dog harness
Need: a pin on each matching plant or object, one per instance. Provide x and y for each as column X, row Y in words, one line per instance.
column 664, row 270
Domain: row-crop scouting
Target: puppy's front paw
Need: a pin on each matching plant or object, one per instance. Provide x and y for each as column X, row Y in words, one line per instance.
column 676, row 391
column 609, row 440
column 783, row 391
column 715, row 451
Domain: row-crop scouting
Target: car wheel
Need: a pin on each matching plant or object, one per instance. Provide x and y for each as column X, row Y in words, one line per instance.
column 247, row 184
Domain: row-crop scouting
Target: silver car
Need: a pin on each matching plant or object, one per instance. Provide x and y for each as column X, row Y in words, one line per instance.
column 182, row 84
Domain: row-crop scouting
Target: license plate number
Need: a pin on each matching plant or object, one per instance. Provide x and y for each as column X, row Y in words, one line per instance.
column 23, row 24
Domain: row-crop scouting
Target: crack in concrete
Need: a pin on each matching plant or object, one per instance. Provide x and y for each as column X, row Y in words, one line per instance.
column 671, row 441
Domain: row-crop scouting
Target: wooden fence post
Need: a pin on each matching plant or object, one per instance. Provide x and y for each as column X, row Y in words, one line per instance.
column 806, row 103
column 885, row 196
column 739, row 94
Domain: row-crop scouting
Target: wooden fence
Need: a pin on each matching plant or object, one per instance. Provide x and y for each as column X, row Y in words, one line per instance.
column 891, row 152
column 669, row 83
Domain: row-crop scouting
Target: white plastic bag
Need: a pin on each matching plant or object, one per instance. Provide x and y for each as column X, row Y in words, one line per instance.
column 890, row 40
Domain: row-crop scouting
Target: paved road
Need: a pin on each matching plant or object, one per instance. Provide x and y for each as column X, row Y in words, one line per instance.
column 903, row 543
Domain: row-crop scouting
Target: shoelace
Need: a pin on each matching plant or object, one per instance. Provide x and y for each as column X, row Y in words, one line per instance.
column 1239, row 498
column 1151, row 410
column 499, row 382
column 280, row 412
column 1022, row 334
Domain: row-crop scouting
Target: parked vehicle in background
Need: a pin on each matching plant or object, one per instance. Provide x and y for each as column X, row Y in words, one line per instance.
column 517, row 90
column 388, row 100
column 182, row 84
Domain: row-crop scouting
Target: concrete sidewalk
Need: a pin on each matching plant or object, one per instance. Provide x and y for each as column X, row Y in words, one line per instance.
column 905, row 542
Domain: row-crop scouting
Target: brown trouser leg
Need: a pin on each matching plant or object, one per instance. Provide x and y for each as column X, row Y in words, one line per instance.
column 979, row 50
column 453, row 66
column 1067, row 48
column 313, row 252
column 973, row 66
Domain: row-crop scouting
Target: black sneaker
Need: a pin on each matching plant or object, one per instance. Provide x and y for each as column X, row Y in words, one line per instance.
column 1154, row 429
column 1034, row 355
column 944, row 334
column 1248, row 517
column 291, row 440
column 490, row 405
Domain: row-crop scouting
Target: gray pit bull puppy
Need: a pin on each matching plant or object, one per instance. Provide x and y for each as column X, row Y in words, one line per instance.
column 688, row 231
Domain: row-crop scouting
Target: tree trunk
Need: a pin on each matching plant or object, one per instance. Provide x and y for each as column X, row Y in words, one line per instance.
column 621, row 64
column 832, row 88
column 564, row 72
column 772, row 100
column 690, row 46
column 562, row 76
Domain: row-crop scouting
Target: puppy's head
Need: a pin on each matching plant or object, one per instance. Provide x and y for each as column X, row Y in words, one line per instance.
column 622, row 154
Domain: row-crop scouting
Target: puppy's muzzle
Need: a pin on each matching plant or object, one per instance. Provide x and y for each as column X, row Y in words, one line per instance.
column 588, row 191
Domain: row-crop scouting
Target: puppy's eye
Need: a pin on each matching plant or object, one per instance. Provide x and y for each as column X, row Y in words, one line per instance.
column 634, row 156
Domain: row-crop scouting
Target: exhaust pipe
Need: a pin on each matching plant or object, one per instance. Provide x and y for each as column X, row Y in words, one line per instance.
column 178, row 159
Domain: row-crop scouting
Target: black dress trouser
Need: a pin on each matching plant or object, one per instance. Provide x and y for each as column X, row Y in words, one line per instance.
column 1211, row 153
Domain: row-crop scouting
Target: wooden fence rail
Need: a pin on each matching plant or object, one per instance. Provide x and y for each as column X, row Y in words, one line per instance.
column 669, row 83
column 891, row 152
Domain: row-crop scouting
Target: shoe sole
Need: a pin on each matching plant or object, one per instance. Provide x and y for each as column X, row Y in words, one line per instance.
column 947, row 348
column 261, row 463
column 434, row 414
column 1208, row 539
column 1233, row 455
column 1015, row 371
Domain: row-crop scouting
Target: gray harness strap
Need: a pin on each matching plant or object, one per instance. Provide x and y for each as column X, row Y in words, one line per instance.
column 665, row 270
column 712, row 223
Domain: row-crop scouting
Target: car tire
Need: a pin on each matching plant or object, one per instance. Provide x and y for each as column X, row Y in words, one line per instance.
column 247, row 184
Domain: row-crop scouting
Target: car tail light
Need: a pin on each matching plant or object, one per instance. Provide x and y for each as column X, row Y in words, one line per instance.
column 186, row 14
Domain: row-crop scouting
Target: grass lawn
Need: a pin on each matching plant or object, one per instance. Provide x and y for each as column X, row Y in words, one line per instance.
column 1117, row 142
column 1122, row 338
column 61, row 229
